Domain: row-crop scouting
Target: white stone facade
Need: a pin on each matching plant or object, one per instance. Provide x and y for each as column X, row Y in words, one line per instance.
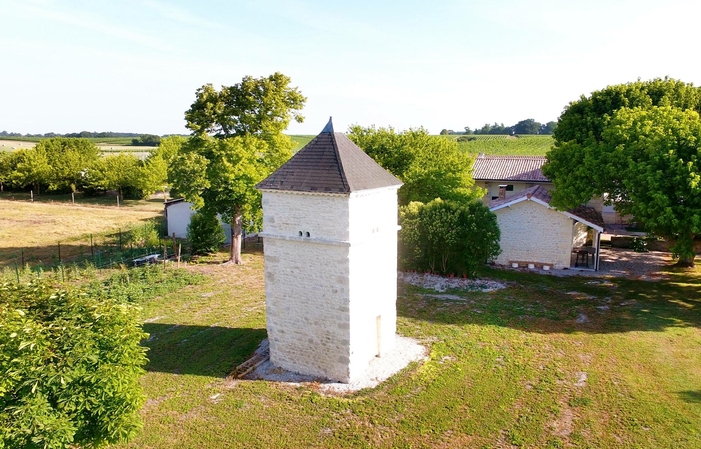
column 531, row 232
column 331, row 282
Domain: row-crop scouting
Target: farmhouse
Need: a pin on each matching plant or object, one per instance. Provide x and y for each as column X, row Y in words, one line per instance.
column 534, row 233
column 503, row 176
column 330, row 229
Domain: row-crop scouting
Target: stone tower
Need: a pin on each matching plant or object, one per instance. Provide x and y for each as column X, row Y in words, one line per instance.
column 330, row 230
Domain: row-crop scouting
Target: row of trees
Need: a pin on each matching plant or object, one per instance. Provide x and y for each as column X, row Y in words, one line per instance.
column 528, row 126
column 84, row 134
column 63, row 165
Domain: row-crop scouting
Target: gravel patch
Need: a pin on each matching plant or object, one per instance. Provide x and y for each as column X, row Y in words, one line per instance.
column 379, row 369
column 441, row 284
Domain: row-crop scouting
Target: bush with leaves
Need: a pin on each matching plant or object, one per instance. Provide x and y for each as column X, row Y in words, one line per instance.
column 71, row 365
column 446, row 237
column 205, row 233
column 145, row 235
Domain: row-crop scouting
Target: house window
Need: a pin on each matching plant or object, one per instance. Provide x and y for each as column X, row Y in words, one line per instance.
column 495, row 197
column 510, row 188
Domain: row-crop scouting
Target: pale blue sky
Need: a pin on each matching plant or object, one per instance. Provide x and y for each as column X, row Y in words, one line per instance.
column 134, row 66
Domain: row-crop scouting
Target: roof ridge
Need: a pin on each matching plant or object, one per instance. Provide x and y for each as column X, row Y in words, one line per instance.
column 344, row 179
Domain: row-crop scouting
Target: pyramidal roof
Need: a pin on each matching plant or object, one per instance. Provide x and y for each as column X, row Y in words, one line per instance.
column 330, row 163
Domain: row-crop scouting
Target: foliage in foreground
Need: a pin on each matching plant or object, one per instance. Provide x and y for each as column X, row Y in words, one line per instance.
column 447, row 238
column 71, row 364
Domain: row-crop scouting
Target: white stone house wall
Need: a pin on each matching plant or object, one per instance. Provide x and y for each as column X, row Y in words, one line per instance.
column 580, row 233
column 373, row 275
column 531, row 232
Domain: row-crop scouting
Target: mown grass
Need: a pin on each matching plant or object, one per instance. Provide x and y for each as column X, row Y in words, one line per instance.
column 300, row 141
column 545, row 362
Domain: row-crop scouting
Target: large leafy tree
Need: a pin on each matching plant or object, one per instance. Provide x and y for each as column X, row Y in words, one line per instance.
column 31, row 169
column 429, row 166
column 255, row 106
column 219, row 177
column 236, row 142
column 638, row 145
column 69, row 159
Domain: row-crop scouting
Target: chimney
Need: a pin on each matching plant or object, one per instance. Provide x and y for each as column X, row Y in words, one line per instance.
column 502, row 191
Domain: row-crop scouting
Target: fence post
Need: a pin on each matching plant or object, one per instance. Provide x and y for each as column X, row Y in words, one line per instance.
column 92, row 248
column 22, row 257
column 117, row 200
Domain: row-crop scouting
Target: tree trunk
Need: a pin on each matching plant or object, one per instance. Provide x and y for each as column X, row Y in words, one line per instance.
column 236, row 228
column 684, row 247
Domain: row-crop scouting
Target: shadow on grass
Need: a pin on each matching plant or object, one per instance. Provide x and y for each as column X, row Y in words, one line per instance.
column 550, row 304
column 693, row 397
column 199, row 350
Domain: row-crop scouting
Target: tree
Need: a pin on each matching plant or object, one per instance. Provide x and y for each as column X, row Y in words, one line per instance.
column 148, row 140
column 219, row 176
column 205, row 233
column 446, row 237
column 31, row 168
column 547, row 128
column 528, row 126
column 637, row 145
column 255, row 106
column 121, row 172
column 247, row 121
column 429, row 166
column 69, row 160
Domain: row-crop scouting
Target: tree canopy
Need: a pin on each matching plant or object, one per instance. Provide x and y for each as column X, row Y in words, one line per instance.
column 639, row 146
column 236, row 142
column 255, row 106
column 429, row 166
column 219, row 177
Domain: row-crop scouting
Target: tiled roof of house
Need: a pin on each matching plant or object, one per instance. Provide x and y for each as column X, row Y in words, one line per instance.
column 587, row 215
column 330, row 163
column 537, row 192
column 509, row 168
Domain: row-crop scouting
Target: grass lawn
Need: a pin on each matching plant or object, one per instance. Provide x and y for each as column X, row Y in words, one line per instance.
column 38, row 227
column 546, row 362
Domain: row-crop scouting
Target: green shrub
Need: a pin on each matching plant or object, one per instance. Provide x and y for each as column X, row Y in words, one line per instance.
column 205, row 233
column 71, row 365
column 447, row 238
column 145, row 235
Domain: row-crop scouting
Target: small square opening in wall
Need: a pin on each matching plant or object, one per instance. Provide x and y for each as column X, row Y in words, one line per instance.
column 300, row 233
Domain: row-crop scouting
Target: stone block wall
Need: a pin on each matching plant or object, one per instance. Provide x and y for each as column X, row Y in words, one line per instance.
column 325, row 292
column 530, row 232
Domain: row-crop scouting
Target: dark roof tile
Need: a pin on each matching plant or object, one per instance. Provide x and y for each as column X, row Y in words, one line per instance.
column 330, row 163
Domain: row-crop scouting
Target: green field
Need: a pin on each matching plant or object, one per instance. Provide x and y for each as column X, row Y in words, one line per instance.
column 516, row 367
column 511, row 146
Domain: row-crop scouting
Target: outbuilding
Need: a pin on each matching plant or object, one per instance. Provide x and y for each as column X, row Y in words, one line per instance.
column 535, row 234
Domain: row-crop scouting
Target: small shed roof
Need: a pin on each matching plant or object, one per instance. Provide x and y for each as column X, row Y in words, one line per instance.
column 509, row 168
column 330, row 163
column 541, row 195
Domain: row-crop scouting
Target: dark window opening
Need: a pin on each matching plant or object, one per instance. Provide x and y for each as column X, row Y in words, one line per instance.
column 510, row 188
column 308, row 234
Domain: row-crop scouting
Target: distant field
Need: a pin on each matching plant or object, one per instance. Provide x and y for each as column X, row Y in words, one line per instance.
column 300, row 141
column 506, row 145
